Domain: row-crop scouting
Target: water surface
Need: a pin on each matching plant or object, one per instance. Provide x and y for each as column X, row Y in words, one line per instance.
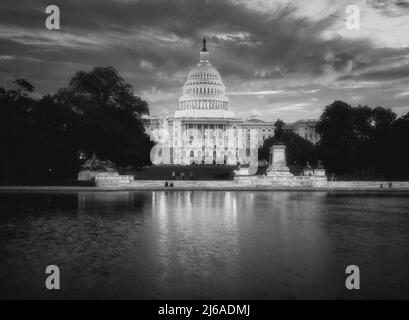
column 204, row 245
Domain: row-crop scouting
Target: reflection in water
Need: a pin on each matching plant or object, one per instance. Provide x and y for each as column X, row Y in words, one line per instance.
column 192, row 244
column 111, row 201
column 196, row 238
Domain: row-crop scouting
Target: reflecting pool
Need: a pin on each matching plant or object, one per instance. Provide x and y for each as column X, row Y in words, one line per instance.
column 204, row 245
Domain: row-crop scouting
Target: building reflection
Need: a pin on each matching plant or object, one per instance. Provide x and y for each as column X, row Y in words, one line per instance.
column 193, row 231
column 184, row 240
column 111, row 202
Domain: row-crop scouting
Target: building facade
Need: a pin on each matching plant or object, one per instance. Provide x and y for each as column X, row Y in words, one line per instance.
column 305, row 129
column 203, row 129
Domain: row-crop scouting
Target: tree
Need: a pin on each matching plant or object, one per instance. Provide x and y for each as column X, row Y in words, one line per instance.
column 380, row 144
column 110, row 122
column 362, row 141
column 336, row 129
column 15, row 107
column 42, row 139
column 345, row 132
column 24, row 85
column 398, row 152
column 54, row 145
column 103, row 87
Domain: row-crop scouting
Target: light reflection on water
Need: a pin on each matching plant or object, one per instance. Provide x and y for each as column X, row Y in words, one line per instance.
column 208, row 245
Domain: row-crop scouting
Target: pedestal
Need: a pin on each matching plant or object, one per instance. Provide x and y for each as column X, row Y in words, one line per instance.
column 308, row 172
column 319, row 172
column 278, row 163
column 277, row 172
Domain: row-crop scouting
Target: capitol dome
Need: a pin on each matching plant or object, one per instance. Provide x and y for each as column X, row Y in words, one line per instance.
column 204, row 94
column 203, row 73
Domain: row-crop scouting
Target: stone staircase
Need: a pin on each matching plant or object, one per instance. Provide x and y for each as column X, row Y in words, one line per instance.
column 113, row 179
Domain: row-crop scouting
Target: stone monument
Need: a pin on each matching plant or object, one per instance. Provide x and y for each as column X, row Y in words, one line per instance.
column 242, row 171
column 94, row 167
column 319, row 171
column 278, row 174
column 277, row 163
column 307, row 171
column 103, row 173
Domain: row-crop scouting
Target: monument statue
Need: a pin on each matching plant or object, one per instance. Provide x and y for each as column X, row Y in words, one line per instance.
column 278, row 163
column 94, row 167
column 308, row 169
column 94, row 164
column 278, row 173
column 319, row 171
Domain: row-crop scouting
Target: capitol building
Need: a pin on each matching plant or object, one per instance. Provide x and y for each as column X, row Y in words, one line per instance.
column 205, row 131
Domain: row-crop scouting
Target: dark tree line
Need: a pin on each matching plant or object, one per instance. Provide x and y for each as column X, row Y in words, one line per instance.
column 356, row 142
column 48, row 138
column 363, row 141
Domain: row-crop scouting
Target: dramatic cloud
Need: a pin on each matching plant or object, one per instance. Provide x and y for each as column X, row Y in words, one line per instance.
column 391, row 7
column 277, row 58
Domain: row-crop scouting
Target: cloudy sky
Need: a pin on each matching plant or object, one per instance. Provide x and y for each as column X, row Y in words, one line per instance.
column 286, row 59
